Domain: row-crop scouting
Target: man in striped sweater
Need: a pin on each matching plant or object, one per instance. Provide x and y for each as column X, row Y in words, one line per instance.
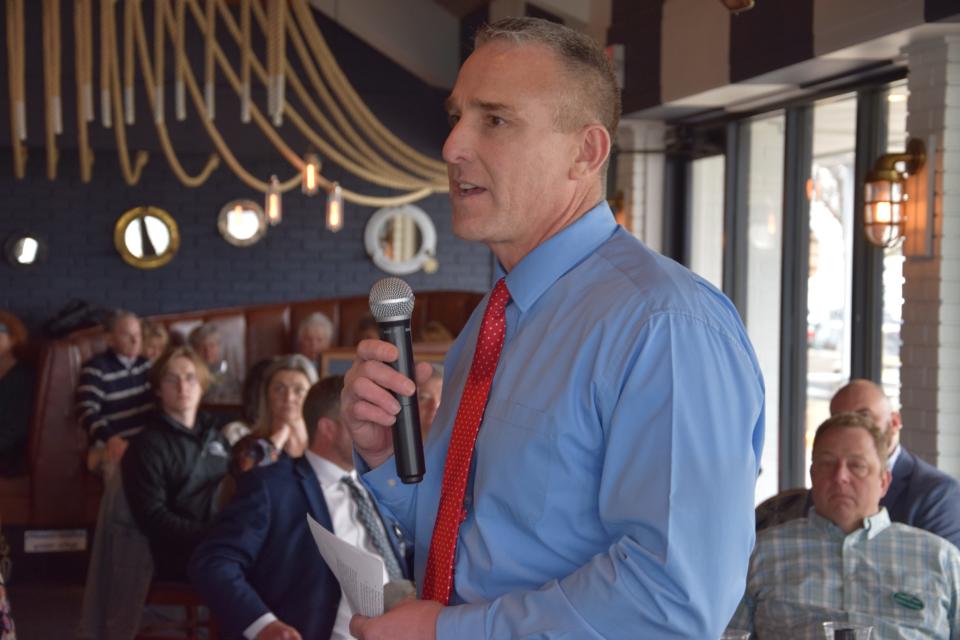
column 113, row 395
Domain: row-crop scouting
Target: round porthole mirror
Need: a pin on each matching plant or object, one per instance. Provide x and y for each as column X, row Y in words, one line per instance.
column 242, row 222
column 402, row 240
column 24, row 250
column 146, row 237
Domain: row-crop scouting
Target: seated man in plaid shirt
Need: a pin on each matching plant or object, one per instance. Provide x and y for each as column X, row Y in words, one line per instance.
column 846, row 561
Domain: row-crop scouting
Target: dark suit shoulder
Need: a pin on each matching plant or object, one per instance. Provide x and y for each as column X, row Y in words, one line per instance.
column 926, row 475
column 280, row 473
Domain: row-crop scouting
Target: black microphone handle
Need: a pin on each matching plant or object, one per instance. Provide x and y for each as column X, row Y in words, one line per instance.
column 407, row 441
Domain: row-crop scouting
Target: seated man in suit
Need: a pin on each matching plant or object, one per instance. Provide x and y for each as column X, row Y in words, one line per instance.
column 259, row 569
column 920, row 494
column 845, row 561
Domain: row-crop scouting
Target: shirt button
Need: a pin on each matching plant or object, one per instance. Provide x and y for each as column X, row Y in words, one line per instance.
column 391, row 482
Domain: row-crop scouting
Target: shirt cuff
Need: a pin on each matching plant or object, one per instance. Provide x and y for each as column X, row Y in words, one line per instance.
column 462, row 621
column 251, row 632
column 385, row 484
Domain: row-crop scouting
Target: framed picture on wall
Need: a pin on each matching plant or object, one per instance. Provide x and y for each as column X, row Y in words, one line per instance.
column 337, row 361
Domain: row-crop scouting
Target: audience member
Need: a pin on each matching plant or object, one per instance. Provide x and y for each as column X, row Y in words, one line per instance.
column 314, row 336
column 428, row 397
column 846, row 561
column 367, row 329
column 252, row 568
column 16, row 396
column 8, row 630
column 434, row 332
column 155, row 339
column 113, row 394
column 250, row 393
column 174, row 467
column 920, row 494
column 224, row 387
column 280, row 419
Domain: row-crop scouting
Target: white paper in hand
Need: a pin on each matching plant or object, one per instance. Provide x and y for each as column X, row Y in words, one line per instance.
column 359, row 572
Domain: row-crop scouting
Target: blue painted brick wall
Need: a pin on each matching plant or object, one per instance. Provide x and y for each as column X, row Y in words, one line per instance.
column 298, row 259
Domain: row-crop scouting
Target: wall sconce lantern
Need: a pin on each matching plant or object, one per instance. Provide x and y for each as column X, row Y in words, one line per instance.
column 890, row 209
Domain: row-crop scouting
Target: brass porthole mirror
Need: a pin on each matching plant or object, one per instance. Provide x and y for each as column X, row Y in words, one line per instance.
column 242, row 223
column 146, row 237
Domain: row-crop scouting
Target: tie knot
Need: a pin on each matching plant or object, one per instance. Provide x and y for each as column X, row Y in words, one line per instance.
column 500, row 295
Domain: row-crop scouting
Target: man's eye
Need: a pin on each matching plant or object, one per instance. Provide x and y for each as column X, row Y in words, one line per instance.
column 496, row 121
column 453, row 119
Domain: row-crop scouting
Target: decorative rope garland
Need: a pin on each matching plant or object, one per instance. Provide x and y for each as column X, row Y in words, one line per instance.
column 15, row 64
column 140, row 38
column 351, row 136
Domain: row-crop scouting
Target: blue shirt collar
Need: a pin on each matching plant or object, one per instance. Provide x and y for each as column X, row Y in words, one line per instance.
column 543, row 266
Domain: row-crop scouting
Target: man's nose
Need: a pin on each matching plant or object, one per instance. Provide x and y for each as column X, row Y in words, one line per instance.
column 841, row 473
column 456, row 148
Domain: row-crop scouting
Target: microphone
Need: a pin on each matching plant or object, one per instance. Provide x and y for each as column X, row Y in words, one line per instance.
column 391, row 303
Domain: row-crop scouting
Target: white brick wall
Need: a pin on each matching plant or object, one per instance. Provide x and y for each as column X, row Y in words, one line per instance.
column 931, row 315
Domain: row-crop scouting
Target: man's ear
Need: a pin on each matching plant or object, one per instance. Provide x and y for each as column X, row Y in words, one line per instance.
column 896, row 423
column 324, row 432
column 593, row 151
column 885, row 478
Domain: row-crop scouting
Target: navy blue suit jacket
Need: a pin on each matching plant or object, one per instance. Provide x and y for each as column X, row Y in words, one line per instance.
column 925, row 497
column 260, row 557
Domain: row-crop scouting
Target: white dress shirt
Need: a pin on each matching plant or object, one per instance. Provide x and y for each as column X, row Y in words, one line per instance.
column 346, row 526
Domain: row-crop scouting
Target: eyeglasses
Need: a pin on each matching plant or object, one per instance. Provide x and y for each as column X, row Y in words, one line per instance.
column 281, row 389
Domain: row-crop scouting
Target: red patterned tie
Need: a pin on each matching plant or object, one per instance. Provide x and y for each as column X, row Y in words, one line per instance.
column 438, row 581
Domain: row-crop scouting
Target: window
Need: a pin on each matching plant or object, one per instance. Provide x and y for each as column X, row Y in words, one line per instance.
column 706, row 218
column 893, row 258
column 761, row 150
column 830, row 190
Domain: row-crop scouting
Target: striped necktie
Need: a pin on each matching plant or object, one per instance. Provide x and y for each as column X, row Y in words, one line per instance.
column 370, row 520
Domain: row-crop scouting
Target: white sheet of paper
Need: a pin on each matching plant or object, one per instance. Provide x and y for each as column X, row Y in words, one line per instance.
column 359, row 572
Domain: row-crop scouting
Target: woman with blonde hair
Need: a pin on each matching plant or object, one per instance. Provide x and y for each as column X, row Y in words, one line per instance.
column 286, row 382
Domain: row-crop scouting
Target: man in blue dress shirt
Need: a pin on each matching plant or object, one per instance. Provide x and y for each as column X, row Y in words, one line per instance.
column 611, row 487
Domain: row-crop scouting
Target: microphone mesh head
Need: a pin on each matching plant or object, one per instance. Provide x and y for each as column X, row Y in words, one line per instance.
column 391, row 299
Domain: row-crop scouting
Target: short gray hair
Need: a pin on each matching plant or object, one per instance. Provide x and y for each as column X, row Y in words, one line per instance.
column 115, row 316
column 201, row 333
column 852, row 420
column 315, row 319
column 596, row 94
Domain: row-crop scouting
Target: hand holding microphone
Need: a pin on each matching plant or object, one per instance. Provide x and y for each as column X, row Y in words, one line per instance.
column 379, row 403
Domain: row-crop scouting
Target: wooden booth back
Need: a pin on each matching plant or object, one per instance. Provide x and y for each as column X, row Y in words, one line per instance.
column 59, row 492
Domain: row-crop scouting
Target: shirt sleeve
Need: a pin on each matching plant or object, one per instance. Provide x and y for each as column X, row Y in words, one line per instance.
column 397, row 501
column 90, row 403
column 258, row 625
column 682, row 436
